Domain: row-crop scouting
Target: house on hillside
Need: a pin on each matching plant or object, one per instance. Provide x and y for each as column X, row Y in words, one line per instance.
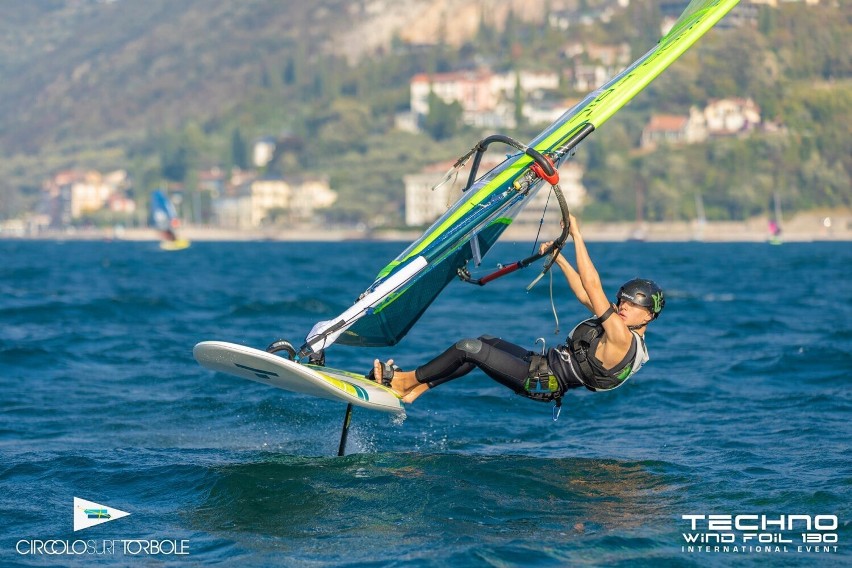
column 265, row 201
column 587, row 77
column 593, row 64
column 566, row 18
column 423, row 201
column 213, row 181
column 471, row 89
column 546, row 112
column 722, row 117
column 72, row 194
column 487, row 99
column 731, row 116
column 775, row 3
column 674, row 129
column 615, row 55
column 263, row 151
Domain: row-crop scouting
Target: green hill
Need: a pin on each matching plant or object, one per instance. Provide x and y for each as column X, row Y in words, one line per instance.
column 163, row 87
column 98, row 70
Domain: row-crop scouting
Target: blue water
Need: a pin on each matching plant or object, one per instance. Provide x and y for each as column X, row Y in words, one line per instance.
column 743, row 409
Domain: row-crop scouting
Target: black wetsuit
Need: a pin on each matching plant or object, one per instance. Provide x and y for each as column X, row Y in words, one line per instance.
column 540, row 377
column 510, row 365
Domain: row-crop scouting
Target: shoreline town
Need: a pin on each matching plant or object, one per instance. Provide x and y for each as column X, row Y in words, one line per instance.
column 834, row 225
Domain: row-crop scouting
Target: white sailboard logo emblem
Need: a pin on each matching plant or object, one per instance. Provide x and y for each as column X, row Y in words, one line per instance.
column 88, row 514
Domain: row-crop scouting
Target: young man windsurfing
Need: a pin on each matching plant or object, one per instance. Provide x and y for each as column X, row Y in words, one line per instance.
column 601, row 353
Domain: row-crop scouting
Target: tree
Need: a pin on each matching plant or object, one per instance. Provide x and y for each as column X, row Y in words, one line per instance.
column 444, row 119
column 180, row 152
column 344, row 125
column 174, row 161
column 519, row 102
column 239, row 150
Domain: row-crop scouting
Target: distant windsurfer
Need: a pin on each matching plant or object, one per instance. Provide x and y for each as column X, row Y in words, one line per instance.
column 601, row 353
column 774, row 229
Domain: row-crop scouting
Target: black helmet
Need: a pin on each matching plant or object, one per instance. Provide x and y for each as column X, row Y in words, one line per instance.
column 643, row 293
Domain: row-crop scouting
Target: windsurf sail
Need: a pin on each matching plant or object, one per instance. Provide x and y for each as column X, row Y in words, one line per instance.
column 775, row 221
column 405, row 288
column 164, row 215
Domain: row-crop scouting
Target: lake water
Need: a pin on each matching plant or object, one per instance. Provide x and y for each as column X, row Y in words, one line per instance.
column 744, row 409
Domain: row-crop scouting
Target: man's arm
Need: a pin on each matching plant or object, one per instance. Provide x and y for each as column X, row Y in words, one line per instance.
column 571, row 276
column 617, row 333
column 574, row 281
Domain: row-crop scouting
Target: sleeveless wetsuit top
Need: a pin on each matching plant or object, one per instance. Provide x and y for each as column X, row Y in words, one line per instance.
column 574, row 363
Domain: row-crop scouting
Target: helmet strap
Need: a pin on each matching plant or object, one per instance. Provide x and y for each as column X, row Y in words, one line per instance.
column 641, row 325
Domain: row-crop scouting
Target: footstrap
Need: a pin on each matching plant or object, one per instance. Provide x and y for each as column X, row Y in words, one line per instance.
column 387, row 373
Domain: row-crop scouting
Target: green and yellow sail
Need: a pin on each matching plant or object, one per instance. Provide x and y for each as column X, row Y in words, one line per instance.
column 474, row 223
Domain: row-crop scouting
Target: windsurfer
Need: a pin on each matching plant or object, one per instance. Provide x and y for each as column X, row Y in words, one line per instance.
column 601, row 353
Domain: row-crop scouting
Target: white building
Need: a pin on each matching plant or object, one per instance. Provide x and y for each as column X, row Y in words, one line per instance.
column 261, row 202
column 593, row 64
column 423, row 201
column 75, row 193
column 723, row 117
column 263, row 151
column 731, row 116
column 589, row 77
column 546, row 111
column 674, row 129
column 474, row 90
column 487, row 99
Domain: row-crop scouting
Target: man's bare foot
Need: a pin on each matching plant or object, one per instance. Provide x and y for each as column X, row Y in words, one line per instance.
column 403, row 383
column 415, row 392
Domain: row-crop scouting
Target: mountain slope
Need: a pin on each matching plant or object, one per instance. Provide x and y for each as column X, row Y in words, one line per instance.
column 86, row 69
column 82, row 70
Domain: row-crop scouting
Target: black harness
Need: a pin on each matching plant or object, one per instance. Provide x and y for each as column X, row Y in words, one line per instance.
column 582, row 344
column 541, row 384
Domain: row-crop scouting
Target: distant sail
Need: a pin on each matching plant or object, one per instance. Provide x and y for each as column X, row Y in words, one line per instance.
column 165, row 219
column 164, row 215
column 406, row 287
column 775, row 221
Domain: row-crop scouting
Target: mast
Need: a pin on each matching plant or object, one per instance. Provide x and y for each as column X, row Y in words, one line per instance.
column 700, row 217
column 777, row 203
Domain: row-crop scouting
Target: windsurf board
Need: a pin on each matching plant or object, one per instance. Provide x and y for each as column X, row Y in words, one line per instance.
column 274, row 370
column 177, row 244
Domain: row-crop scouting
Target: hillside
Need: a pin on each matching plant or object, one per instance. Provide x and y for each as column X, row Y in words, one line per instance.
column 90, row 70
column 160, row 87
